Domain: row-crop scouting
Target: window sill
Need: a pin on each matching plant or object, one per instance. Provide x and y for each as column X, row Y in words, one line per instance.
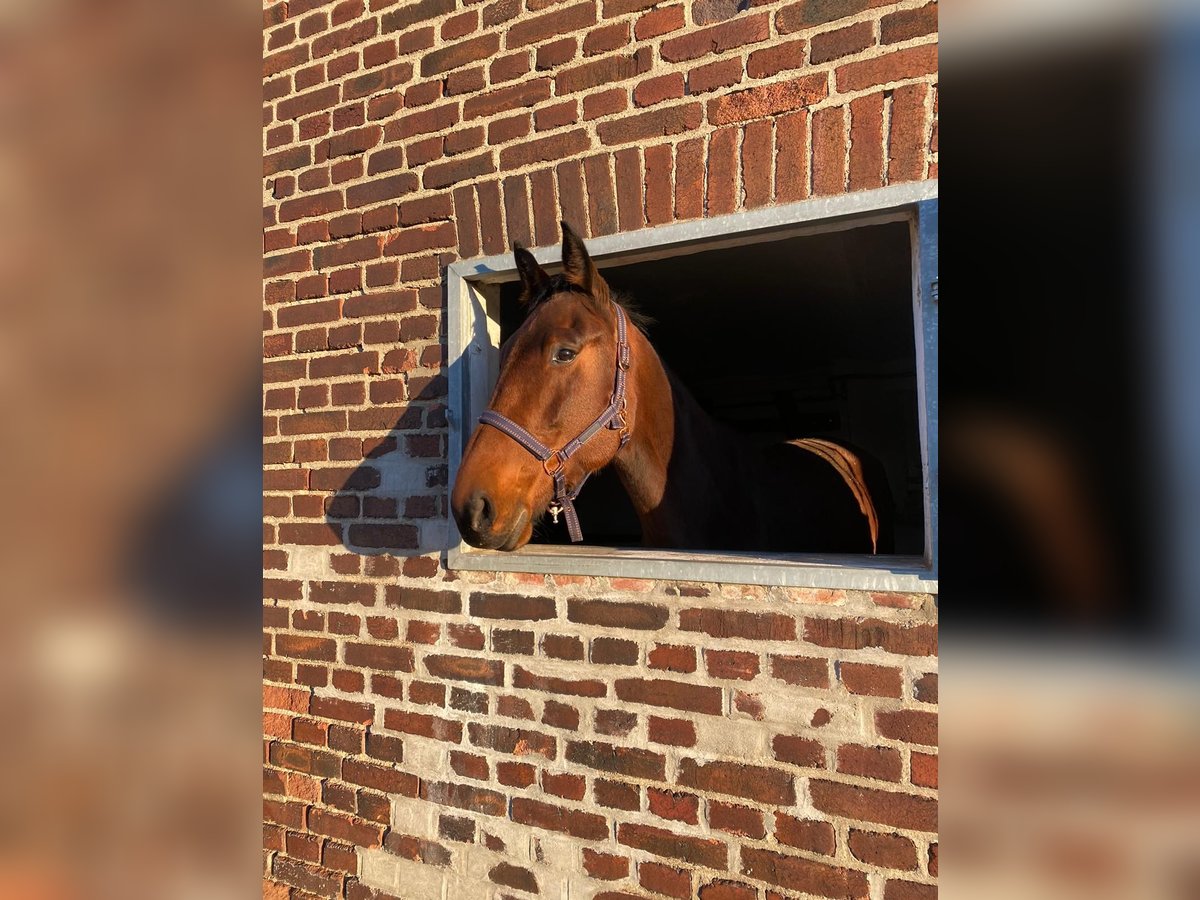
column 905, row 574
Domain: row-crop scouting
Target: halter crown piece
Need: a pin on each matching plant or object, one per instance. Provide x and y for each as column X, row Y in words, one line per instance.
column 613, row 418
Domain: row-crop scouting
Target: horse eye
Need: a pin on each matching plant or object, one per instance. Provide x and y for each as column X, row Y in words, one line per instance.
column 564, row 355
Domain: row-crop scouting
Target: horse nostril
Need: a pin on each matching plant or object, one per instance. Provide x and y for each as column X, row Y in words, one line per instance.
column 480, row 512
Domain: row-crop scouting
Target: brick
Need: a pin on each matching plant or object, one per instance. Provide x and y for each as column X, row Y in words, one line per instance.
column 675, row 806
column 652, row 124
column 727, row 890
column 466, row 668
column 659, row 89
column 890, row 851
column 906, row 24
column 658, row 22
column 413, row 13
column 906, row 142
column 511, row 641
column 925, row 688
column 310, row 205
column 539, row 28
column 829, row 167
column 604, row 866
column 909, row 890
column 517, row 741
column 516, row 774
column 738, row 780
column 814, row 835
column 513, row 876
column 841, row 42
column 911, row 725
column 616, row 794
column 676, row 732
column 523, row 678
column 872, row 805
column 381, row 189
column 773, row 60
column 415, row 849
column 389, row 659
column 459, row 169
column 882, row 763
column 308, row 102
column 601, row 196
column 606, row 38
column 866, row 142
column 560, row 715
column 512, row 606
column 464, row 796
column 672, row 658
column 768, row 100
column 304, row 647
column 736, row 819
column 345, row 710
column 381, row 778
column 899, row 65
column 423, row 725
column 799, row 751
column 716, row 39
column 713, row 76
column 615, row 722
column 712, row 854
column 457, row 55
column 665, row 880
column 350, row 829
column 613, row 651
column 507, row 99
column 547, row 149
column 609, row 69
column 870, row 680
column 731, row 664
column 800, row 874
column 306, row 877
column 721, row 623
column 808, row 13
column 622, row 760
column 582, row 825
column 673, row 694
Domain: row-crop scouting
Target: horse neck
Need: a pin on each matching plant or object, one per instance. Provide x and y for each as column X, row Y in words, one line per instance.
column 681, row 468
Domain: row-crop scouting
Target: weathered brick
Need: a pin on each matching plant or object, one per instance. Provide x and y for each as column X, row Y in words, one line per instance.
column 800, row 874
column 673, row 694
column 512, row 606
column 738, row 780
column 623, row 760
column 891, row 851
column 712, row 854
column 873, row 805
column 583, row 825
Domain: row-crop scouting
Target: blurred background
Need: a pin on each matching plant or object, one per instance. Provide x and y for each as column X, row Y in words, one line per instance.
column 130, row 260
column 130, row 266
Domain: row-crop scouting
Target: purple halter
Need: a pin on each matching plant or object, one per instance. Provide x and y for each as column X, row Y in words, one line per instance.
column 613, row 418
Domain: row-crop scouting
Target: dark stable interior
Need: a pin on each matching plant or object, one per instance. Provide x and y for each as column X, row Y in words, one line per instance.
column 801, row 337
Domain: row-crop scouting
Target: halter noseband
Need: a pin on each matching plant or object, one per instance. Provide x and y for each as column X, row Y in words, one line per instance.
column 613, row 418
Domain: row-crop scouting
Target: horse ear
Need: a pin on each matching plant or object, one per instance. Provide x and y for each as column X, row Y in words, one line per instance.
column 578, row 266
column 533, row 276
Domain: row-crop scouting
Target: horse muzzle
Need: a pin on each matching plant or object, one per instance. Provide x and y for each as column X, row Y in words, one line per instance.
column 479, row 525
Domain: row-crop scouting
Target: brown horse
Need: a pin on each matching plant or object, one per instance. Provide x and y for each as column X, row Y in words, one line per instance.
column 694, row 484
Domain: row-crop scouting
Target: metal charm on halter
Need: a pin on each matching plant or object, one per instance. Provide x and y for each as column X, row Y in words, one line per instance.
column 613, row 418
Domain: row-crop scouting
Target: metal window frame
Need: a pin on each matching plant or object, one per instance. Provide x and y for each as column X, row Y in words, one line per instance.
column 472, row 297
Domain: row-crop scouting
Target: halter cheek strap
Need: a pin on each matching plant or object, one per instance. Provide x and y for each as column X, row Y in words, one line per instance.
column 555, row 461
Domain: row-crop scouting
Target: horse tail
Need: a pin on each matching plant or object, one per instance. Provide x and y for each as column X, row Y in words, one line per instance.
column 867, row 480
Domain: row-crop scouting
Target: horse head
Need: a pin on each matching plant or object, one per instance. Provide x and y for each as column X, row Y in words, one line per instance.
column 556, row 376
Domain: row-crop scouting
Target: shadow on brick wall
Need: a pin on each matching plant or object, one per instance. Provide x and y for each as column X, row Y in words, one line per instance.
column 396, row 501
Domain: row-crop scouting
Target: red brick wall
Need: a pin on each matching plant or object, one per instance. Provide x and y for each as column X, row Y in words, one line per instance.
column 509, row 735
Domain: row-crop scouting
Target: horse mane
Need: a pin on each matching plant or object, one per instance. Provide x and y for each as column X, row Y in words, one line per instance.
column 558, row 284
